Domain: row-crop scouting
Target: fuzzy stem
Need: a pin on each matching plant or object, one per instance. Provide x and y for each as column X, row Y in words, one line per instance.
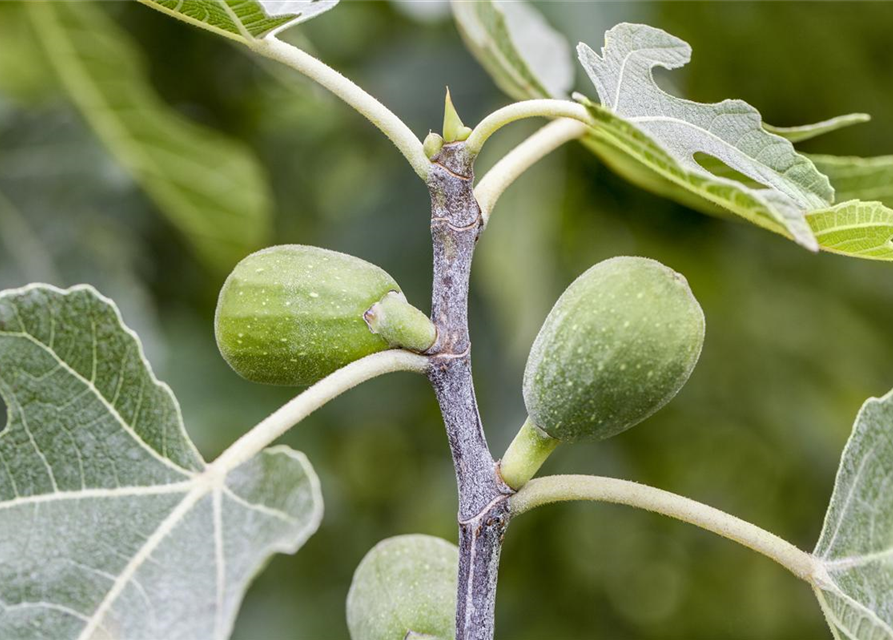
column 313, row 398
column 526, row 454
column 544, row 108
column 521, row 158
column 400, row 324
column 564, row 488
column 378, row 114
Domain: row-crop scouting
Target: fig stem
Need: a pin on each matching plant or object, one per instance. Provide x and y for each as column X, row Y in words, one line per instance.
column 400, row 324
column 526, row 454
column 564, row 488
column 330, row 387
column 543, row 108
column 374, row 111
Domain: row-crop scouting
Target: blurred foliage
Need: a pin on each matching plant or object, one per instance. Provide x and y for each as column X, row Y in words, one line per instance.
column 795, row 341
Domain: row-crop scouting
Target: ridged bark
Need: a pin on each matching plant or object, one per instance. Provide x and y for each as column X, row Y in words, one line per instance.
column 456, row 224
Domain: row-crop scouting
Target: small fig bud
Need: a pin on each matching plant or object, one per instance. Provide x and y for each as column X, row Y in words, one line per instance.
column 617, row 346
column 292, row 314
column 432, row 145
column 405, row 587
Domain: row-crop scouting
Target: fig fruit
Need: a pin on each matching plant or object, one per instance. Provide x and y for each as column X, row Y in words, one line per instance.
column 620, row 342
column 292, row 314
column 405, row 587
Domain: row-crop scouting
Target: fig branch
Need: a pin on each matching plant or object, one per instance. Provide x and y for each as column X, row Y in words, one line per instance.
column 456, row 223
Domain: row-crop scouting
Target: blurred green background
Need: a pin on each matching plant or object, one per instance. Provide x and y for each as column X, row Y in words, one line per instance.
column 795, row 341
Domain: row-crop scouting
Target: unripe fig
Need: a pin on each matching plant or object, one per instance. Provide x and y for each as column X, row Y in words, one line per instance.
column 292, row 314
column 405, row 588
column 616, row 347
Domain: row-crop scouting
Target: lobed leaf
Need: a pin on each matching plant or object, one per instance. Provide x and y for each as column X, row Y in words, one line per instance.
column 111, row 524
column 243, row 19
column 525, row 56
column 634, row 155
column 713, row 158
column 730, row 131
column 855, row 550
column 209, row 186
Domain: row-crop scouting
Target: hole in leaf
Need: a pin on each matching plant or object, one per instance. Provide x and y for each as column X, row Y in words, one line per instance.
column 3, row 416
column 667, row 80
column 721, row 170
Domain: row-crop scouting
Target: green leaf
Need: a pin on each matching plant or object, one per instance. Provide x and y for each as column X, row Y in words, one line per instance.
column 405, row 587
column 809, row 131
column 858, row 178
column 209, row 186
column 855, row 228
column 855, row 588
column 863, row 224
column 111, row 524
column 731, row 131
column 524, row 55
column 243, row 19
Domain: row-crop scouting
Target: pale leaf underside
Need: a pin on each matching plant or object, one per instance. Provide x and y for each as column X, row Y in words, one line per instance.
column 243, row 19
column 730, row 131
column 701, row 170
column 111, row 525
column 856, row 545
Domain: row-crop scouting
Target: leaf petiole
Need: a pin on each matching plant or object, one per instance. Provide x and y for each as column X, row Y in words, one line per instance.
column 545, row 108
column 551, row 489
column 393, row 127
column 330, row 387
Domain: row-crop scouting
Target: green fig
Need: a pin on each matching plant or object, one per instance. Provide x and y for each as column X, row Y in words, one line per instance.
column 405, row 587
column 617, row 346
column 292, row 314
